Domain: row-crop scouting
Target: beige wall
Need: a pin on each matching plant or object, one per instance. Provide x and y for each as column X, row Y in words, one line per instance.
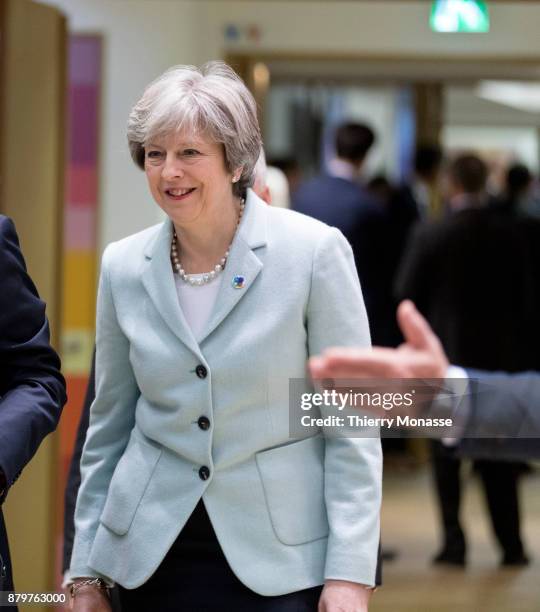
column 379, row 27
column 32, row 140
column 143, row 37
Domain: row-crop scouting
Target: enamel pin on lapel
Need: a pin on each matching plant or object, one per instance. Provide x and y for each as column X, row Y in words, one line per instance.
column 238, row 282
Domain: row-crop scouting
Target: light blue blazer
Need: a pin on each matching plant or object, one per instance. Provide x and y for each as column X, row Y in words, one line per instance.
column 287, row 513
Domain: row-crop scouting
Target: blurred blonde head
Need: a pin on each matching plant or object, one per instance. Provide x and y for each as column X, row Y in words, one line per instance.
column 260, row 172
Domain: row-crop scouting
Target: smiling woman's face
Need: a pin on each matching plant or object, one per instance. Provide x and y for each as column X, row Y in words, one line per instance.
column 188, row 178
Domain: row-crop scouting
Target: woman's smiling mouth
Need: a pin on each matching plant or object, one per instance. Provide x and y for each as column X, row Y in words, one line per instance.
column 179, row 194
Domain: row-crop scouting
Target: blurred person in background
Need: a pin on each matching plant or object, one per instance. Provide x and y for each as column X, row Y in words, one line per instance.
column 422, row 197
column 473, row 275
column 270, row 183
column 381, row 189
column 533, row 205
column 419, row 199
column 260, row 182
column 32, row 389
column 339, row 199
column 290, row 169
column 278, row 187
column 404, row 206
column 184, row 357
column 467, row 183
column 517, row 195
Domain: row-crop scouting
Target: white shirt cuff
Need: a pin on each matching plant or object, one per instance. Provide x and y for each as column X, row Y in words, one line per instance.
column 455, row 397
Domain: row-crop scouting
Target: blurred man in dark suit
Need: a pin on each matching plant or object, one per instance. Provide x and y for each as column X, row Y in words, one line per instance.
column 32, row 390
column 517, row 196
column 474, row 277
column 339, row 199
column 417, row 200
column 423, row 192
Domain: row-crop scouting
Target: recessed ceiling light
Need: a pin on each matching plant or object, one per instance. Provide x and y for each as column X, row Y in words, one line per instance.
column 516, row 94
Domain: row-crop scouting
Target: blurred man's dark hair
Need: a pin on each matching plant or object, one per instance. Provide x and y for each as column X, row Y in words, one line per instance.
column 381, row 189
column 353, row 141
column 285, row 164
column 427, row 160
column 469, row 173
column 518, row 179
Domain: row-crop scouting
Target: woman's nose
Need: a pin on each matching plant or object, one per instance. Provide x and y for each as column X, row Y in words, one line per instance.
column 172, row 168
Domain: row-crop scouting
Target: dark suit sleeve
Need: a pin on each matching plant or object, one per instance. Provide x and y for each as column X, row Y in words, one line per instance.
column 32, row 389
column 74, row 477
column 504, row 421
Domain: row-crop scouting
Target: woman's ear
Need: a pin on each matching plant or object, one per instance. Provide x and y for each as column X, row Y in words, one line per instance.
column 237, row 174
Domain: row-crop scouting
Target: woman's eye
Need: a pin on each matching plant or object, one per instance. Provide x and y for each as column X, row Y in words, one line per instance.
column 190, row 152
column 153, row 154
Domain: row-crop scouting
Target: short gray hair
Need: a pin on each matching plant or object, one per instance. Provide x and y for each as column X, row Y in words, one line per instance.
column 211, row 100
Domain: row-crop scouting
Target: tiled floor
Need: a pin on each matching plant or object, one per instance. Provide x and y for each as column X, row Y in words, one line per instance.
column 409, row 525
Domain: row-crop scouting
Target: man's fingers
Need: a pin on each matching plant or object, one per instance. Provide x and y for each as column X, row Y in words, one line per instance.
column 415, row 328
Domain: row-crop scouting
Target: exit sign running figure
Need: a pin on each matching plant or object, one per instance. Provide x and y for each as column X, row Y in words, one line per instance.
column 459, row 16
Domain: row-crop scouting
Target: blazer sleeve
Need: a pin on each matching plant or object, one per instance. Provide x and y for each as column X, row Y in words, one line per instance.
column 112, row 417
column 504, row 420
column 336, row 316
column 32, row 389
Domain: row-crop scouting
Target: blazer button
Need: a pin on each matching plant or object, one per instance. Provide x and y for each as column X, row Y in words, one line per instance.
column 201, row 371
column 203, row 423
column 204, row 473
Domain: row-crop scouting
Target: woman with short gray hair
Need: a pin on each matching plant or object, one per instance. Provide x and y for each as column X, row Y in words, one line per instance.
column 212, row 101
column 194, row 495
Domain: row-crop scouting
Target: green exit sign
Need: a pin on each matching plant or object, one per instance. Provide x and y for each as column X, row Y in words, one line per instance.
column 459, row 16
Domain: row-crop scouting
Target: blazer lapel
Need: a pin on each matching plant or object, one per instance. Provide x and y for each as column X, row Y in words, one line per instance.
column 243, row 265
column 158, row 280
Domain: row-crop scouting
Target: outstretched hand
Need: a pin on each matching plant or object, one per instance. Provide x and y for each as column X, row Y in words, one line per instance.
column 420, row 356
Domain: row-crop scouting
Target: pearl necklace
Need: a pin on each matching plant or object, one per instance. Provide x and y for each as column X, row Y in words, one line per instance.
column 197, row 279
